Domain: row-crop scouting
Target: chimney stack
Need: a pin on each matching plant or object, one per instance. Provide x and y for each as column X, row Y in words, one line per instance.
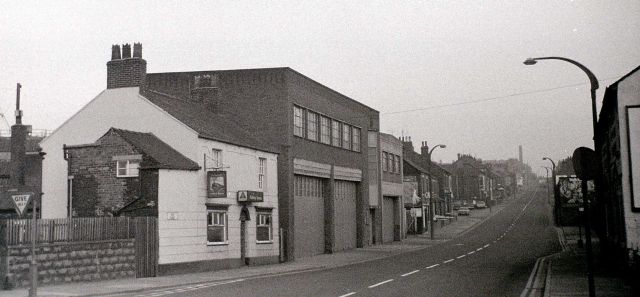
column 124, row 71
column 424, row 149
column 206, row 91
column 19, row 134
column 407, row 145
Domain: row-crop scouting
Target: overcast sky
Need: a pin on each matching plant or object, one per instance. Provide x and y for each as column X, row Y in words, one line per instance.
column 419, row 63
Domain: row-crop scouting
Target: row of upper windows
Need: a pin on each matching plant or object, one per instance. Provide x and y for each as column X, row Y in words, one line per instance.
column 317, row 127
column 390, row 162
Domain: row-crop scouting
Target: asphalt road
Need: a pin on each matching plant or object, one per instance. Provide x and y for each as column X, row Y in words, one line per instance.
column 494, row 259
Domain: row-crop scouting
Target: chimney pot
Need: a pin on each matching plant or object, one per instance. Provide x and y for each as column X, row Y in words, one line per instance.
column 126, row 51
column 137, row 50
column 115, row 52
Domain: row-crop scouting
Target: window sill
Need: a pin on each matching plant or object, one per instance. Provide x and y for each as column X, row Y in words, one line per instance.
column 264, row 242
column 217, row 243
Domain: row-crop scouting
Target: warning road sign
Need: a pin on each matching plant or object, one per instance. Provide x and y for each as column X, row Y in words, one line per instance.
column 21, row 200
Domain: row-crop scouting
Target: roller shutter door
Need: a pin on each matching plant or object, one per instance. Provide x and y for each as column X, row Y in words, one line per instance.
column 345, row 215
column 308, row 216
column 388, row 219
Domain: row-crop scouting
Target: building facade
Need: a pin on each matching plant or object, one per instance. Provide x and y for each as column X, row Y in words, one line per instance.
column 174, row 159
column 618, row 139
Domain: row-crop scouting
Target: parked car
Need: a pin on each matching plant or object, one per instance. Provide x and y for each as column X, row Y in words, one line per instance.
column 481, row 204
column 464, row 211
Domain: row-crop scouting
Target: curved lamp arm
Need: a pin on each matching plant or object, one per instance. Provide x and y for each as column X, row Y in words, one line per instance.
column 592, row 77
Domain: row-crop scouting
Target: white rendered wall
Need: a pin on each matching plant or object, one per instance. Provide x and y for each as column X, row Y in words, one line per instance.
column 183, row 197
column 629, row 94
column 120, row 108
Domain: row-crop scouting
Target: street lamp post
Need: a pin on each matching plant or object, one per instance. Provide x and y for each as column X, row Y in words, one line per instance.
column 555, row 196
column 431, row 208
column 587, row 227
column 548, row 192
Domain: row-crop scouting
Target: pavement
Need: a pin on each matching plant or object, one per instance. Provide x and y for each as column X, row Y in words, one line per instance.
column 565, row 273
column 130, row 286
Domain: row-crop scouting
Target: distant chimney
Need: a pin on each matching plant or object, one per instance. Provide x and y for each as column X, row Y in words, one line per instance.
column 407, row 145
column 424, row 149
column 206, row 90
column 123, row 71
column 458, row 156
column 520, row 153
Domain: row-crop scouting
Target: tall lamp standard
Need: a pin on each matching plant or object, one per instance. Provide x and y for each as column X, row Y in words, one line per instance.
column 548, row 192
column 431, row 208
column 553, row 177
column 587, row 228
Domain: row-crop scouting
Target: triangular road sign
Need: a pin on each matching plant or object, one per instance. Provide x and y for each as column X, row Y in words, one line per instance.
column 20, row 201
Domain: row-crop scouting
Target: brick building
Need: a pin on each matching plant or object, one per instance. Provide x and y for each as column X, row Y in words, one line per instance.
column 319, row 134
column 469, row 179
column 386, row 203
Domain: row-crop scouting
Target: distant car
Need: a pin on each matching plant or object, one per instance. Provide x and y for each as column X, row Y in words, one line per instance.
column 481, row 204
column 464, row 211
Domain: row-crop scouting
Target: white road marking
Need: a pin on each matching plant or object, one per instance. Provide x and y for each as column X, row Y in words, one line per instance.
column 434, row 265
column 471, row 252
column 448, row 261
column 478, row 249
column 380, row 283
column 486, row 245
column 410, row 273
column 461, row 256
column 348, row 294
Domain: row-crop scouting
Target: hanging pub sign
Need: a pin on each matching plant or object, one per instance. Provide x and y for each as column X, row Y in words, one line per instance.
column 250, row 196
column 217, row 184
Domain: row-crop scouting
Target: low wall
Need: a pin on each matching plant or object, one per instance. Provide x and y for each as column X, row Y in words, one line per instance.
column 70, row 262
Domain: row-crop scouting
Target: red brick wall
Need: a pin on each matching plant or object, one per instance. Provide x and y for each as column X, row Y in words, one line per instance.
column 97, row 191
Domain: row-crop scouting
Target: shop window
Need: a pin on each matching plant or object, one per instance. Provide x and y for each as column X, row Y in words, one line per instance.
column 312, row 126
column 217, row 228
column 298, row 121
column 127, row 168
column 325, row 130
column 264, row 230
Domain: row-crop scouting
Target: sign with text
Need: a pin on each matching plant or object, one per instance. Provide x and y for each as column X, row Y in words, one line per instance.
column 21, row 200
column 250, row 196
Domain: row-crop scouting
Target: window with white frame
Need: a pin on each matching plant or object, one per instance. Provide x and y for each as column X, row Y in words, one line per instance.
column 217, row 227
column 312, row 126
column 392, row 160
column 262, row 172
column 335, row 133
column 346, row 136
column 216, row 158
column 127, row 168
column 355, row 134
column 397, row 164
column 298, row 121
column 264, row 230
column 325, row 130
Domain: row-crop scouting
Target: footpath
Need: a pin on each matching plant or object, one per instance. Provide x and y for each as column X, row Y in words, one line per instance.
column 565, row 273
column 131, row 286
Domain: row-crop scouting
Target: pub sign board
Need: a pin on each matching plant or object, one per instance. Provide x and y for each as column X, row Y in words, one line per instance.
column 250, row 196
column 217, row 184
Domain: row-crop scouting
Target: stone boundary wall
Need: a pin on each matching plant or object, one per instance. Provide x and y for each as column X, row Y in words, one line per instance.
column 69, row 262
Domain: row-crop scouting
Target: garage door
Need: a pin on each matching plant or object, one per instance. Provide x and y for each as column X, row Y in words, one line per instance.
column 388, row 219
column 308, row 216
column 345, row 219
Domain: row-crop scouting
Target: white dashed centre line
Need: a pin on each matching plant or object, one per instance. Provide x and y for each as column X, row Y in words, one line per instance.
column 471, row 252
column 410, row 273
column 434, row 265
column 461, row 256
column 486, row 245
column 348, row 294
column 448, row 261
column 478, row 249
column 380, row 283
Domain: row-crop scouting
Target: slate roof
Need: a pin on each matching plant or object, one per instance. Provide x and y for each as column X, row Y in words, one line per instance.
column 209, row 125
column 162, row 155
